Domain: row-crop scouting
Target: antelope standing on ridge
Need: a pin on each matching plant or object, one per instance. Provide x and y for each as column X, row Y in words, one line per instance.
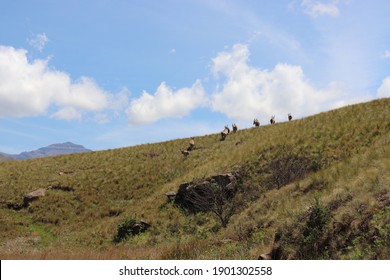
column 235, row 127
column 289, row 117
column 272, row 120
column 191, row 144
column 225, row 133
column 256, row 122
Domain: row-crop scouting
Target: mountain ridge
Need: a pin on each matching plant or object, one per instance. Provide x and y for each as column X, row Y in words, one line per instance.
column 50, row 150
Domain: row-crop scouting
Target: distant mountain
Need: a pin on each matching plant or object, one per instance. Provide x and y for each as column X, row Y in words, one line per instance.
column 51, row 150
column 5, row 157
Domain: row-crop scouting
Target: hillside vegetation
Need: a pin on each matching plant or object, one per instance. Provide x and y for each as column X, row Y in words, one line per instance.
column 314, row 188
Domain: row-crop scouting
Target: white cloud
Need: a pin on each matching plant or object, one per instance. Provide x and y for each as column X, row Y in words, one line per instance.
column 68, row 114
column 317, row 8
column 249, row 92
column 83, row 94
column 384, row 89
column 38, row 41
column 33, row 88
column 165, row 103
column 120, row 100
column 386, row 54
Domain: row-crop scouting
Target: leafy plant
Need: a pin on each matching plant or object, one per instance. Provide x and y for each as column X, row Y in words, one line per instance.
column 125, row 230
column 314, row 233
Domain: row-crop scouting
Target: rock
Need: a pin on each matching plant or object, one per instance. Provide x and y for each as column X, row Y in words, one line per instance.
column 64, row 172
column 196, row 196
column 265, row 256
column 60, row 187
column 275, row 254
column 171, row 195
column 139, row 227
column 32, row 196
column 129, row 228
column 224, row 179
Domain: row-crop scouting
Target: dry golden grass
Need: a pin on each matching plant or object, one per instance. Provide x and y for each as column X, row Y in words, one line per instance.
column 342, row 158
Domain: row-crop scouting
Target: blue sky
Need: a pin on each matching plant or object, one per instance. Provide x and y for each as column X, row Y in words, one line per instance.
column 108, row 74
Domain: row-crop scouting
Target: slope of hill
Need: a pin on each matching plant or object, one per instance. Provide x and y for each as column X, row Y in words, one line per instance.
column 4, row 157
column 52, row 150
column 315, row 188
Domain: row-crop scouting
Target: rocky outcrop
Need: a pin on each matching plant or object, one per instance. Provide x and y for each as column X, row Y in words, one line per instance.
column 171, row 196
column 139, row 227
column 197, row 196
column 129, row 228
column 32, row 196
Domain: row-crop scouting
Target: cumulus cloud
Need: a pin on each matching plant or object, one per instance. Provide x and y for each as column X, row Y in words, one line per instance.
column 247, row 92
column 384, row 89
column 33, row 88
column 38, row 41
column 316, row 8
column 67, row 113
column 165, row 103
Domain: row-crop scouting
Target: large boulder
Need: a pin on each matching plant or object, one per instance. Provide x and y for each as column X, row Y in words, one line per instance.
column 129, row 228
column 32, row 196
column 139, row 227
column 198, row 196
column 171, row 196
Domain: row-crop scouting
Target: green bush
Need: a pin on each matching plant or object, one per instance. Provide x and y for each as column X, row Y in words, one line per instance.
column 314, row 241
column 307, row 238
column 125, row 230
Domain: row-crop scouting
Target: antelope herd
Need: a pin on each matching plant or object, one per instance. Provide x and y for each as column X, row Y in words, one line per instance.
column 225, row 132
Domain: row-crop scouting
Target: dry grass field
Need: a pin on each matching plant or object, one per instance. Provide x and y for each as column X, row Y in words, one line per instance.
column 313, row 188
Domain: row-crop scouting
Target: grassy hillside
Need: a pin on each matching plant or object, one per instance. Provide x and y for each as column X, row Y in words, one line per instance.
column 315, row 188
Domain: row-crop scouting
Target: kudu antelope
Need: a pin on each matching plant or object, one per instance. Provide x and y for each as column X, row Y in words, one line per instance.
column 185, row 153
column 272, row 120
column 256, row 122
column 235, row 127
column 289, row 117
column 225, row 133
column 191, row 144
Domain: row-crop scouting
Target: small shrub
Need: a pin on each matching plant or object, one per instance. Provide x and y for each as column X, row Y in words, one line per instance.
column 288, row 167
column 307, row 238
column 125, row 230
column 318, row 220
column 381, row 222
